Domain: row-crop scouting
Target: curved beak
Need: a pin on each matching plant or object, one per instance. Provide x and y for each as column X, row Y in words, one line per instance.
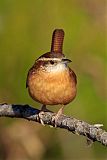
column 65, row 60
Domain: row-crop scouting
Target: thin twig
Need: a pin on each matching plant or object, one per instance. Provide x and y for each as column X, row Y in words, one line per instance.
column 79, row 127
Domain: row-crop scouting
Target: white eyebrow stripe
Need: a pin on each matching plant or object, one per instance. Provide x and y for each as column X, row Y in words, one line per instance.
column 49, row 59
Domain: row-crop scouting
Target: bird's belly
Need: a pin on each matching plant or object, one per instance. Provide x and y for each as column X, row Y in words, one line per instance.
column 52, row 89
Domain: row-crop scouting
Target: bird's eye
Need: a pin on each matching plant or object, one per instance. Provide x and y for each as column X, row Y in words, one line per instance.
column 51, row 62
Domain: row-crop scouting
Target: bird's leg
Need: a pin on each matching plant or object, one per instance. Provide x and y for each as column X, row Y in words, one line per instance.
column 58, row 114
column 44, row 109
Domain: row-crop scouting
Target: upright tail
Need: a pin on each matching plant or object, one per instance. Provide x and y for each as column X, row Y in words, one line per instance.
column 57, row 41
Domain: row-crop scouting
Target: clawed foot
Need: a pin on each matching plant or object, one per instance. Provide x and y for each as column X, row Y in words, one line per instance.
column 55, row 120
column 43, row 109
column 56, row 117
column 41, row 121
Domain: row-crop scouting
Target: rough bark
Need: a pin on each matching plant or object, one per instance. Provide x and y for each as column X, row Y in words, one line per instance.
column 79, row 127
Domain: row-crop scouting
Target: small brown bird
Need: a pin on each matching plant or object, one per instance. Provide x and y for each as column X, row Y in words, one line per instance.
column 50, row 81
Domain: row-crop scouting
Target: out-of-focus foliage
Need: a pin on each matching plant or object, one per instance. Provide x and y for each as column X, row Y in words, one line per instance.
column 25, row 33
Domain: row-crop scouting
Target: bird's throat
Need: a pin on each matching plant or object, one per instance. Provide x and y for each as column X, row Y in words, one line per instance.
column 57, row 68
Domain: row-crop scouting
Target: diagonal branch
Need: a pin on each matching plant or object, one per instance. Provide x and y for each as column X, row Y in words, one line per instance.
column 92, row 132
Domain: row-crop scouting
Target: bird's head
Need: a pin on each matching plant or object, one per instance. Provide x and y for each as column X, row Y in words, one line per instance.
column 52, row 62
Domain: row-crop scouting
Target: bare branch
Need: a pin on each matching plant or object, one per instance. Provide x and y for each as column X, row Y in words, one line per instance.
column 79, row 127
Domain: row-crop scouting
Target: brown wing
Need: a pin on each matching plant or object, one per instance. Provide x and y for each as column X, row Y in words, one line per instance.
column 32, row 71
column 72, row 74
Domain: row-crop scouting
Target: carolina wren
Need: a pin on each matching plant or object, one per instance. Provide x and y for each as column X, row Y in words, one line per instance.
column 50, row 81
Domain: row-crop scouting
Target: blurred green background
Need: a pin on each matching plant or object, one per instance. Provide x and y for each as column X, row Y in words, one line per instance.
column 25, row 33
